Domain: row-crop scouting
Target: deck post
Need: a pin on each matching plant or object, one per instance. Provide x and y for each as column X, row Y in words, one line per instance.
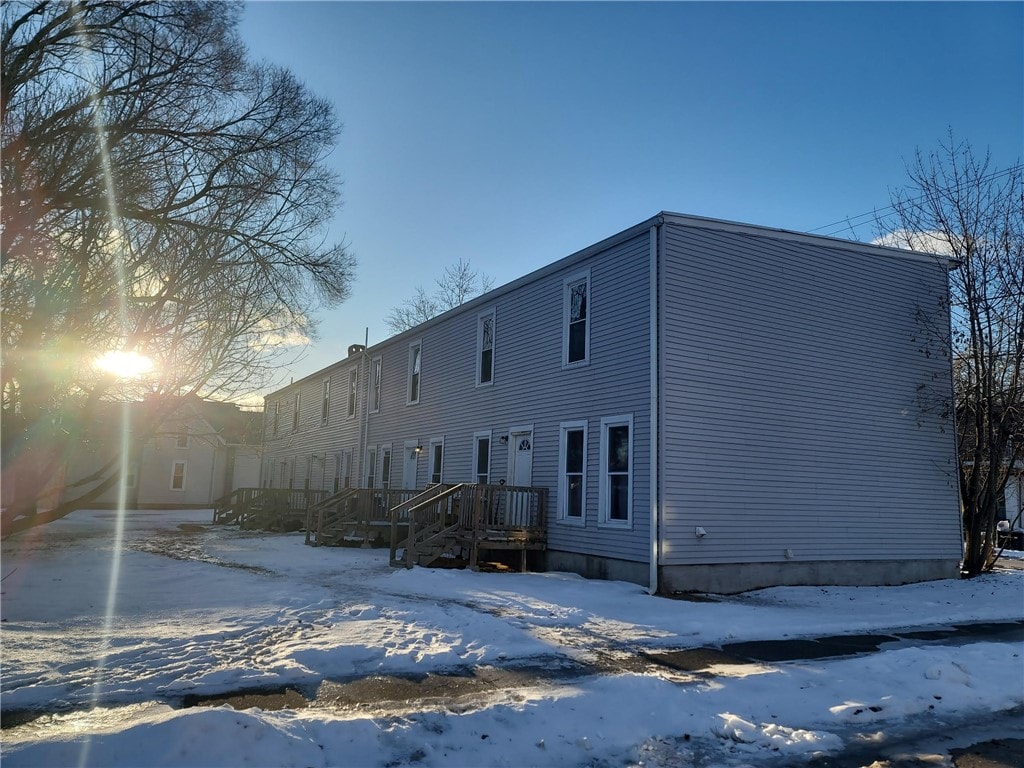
column 409, row 547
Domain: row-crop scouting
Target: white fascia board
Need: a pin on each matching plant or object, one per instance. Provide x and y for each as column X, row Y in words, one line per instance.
column 722, row 225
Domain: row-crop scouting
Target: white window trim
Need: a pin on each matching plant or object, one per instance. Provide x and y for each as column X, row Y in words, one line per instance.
column 325, row 401
column 370, row 474
column 430, row 467
column 418, row 344
column 566, row 305
column 297, row 413
column 563, row 491
column 376, row 394
column 477, row 437
column 604, row 499
column 184, row 474
column 352, row 400
column 385, row 448
column 183, row 431
column 489, row 314
column 347, row 479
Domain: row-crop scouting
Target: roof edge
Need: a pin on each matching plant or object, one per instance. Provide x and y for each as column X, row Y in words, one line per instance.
column 724, row 225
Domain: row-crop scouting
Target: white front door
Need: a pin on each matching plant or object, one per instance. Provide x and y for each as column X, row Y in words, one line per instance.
column 518, row 502
column 409, row 465
column 522, row 458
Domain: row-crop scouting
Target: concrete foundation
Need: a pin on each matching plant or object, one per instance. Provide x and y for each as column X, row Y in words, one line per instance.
column 594, row 567
column 730, row 578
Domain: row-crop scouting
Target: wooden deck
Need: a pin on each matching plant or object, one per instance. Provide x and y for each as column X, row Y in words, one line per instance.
column 445, row 522
column 266, row 509
column 354, row 515
column 459, row 521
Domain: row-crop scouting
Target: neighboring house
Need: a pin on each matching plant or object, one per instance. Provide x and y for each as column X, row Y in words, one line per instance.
column 713, row 407
column 1012, row 507
column 198, row 453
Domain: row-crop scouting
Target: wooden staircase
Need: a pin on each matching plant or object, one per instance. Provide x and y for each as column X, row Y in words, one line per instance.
column 267, row 509
column 353, row 515
column 457, row 522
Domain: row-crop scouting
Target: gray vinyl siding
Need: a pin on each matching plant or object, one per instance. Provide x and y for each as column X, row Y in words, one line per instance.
column 790, row 374
column 314, row 444
column 530, row 387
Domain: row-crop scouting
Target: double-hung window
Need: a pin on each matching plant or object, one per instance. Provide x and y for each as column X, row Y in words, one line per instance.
column 572, row 476
column 482, row 457
column 277, row 416
column 182, row 440
column 415, row 354
column 295, row 413
column 576, row 323
column 325, row 403
column 436, row 459
column 385, row 466
column 178, row 476
column 375, row 380
column 485, row 348
column 616, row 495
column 353, row 381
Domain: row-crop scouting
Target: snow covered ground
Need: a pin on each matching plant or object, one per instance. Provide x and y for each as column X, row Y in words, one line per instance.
column 503, row 669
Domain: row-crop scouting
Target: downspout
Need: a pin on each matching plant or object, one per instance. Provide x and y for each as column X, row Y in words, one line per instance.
column 655, row 413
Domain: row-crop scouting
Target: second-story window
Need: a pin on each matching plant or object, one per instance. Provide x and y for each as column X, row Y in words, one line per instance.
column 375, row 374
column 576, row 330
column 295, row 413
column 325, row 405
column 353, row 380
column 485, row 348
column 415, row 350
column 183, row 436
column 277, row 416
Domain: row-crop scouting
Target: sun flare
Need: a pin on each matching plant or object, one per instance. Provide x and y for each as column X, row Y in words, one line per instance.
column 124, row 364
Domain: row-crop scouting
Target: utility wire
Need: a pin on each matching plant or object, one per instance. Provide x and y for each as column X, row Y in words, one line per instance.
column 851, row 222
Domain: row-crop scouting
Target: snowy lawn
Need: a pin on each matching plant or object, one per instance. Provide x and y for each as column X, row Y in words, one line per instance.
column 197, row 611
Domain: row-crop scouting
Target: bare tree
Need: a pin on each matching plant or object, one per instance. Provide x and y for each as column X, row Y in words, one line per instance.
column 963, row 206
column 163, row 194
column 458, row 284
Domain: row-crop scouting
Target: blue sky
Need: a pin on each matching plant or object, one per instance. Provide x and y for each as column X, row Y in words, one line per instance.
column 513, row 134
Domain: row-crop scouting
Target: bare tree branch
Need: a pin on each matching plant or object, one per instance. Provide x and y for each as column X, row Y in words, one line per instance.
column 458, row 284
column 958, row 205
column 162, row 194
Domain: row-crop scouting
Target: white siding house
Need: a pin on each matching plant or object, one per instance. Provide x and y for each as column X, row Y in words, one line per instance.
column 712, row 407
column 198, row 452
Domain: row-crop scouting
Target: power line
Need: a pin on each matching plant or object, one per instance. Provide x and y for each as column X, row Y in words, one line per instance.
column 850, row 222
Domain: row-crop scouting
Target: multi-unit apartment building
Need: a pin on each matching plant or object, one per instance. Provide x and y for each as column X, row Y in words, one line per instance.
column 712, row 406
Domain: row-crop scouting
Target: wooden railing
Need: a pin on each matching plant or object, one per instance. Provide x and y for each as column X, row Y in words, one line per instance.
column 266, row 508
column 472, row 516
column 467, row 517
column 229, row 507
column 401, row 513
column 321, row 512
column 360, row 512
